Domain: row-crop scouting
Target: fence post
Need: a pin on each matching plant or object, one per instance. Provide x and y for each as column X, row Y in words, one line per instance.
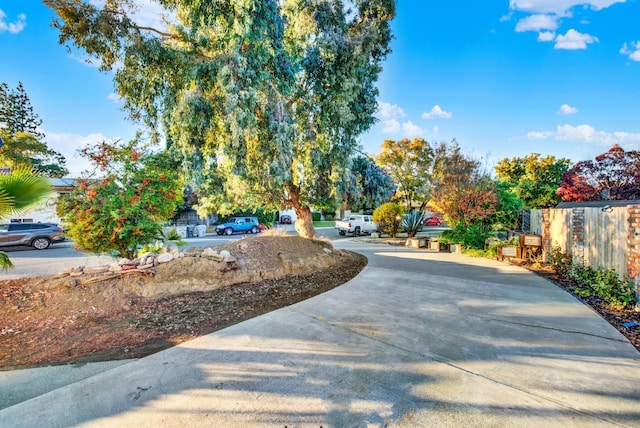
column 633, row 250
column 546, row 234
column 577, row 233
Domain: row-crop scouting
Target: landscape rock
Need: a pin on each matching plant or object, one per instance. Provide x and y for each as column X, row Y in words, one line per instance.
column 96, row 269
column 227, row 257
column 115, row 267
column 165, row 258
column 123, row 262
column 146, row 266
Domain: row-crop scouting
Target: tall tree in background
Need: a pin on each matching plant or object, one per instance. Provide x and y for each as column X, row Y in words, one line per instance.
column 533, row 179
column 263, row 99
column 409, row 163
column 23, row 141
column 369, row 186
column 613, row 175
column 461, row 190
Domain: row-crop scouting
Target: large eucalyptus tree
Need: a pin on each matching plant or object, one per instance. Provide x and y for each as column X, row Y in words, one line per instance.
column 263, row 98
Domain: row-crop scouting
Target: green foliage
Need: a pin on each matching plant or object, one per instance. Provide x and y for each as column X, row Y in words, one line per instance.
column 5, row 262
column 533, row 179
column 23, row 142
column 124, row 209
column 409, row 163
column 264, row 99
column 412, row 222
column 368, row 186
column 316, row 216
column 266, row 218
column 469, row 237
column 387, row 217
column 19, row 190
column 605, row 283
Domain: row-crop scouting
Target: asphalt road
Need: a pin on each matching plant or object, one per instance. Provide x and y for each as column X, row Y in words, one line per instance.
column 30, row 262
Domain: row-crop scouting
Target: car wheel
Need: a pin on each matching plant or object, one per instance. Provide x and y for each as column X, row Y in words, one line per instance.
column 228, row 231
column 254, row 230
column 41, row 243
column 357, row 231
column 342, row 233
column 219, row 233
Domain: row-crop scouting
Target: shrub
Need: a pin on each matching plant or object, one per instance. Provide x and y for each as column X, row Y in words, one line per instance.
column 388, row 216
column 605, row 283
column 266, row 218
column 469, row 237
column 316, row 216
column 412, row 222
column 122, row 211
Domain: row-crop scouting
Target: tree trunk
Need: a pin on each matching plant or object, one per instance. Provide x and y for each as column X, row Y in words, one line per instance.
column 304, row 223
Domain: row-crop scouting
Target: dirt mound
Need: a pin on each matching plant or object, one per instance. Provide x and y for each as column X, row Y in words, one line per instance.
column 62, row 318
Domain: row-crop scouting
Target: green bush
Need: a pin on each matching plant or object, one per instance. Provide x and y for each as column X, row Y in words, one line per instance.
column 605, row 283
column 315, row 216
column 387, row 217
column 468, row 237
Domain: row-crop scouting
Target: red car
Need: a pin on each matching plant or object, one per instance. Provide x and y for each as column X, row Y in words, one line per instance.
column 432, row 221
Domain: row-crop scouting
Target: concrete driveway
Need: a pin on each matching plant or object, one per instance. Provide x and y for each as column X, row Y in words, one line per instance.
column 418, row 339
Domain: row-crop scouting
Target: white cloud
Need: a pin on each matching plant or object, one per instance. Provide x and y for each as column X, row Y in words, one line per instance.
column 546, row 36
column 391, row 126
column 559, row 7
column 574, row 40
column 537, row 23
column 586, row 134
column 388, row 111
column 68, row 145
column 409, row 129
column 632, row 50
column 437, row 113
column 537, row 135
column 114, row 97
column 12, row 27
column 567, row 109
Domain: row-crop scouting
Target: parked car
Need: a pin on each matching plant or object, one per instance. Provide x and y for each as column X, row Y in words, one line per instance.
column 356, row 224
column 285, row 219
column 239, row 224
column 37, row 235
column 432, row 221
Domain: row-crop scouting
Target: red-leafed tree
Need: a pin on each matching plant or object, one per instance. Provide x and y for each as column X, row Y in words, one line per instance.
column 614, row 175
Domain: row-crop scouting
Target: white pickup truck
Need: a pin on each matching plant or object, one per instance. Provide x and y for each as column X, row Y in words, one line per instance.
column 356, row 224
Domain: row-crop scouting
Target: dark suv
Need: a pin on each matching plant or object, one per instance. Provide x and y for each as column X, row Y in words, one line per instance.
column 36, row 235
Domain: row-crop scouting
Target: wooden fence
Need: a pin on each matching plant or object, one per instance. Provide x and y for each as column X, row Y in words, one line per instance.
column 593, row 234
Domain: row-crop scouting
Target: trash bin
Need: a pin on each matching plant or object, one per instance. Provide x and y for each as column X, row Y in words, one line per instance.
column 201, row 230
column 190, row 229
column 182, row 231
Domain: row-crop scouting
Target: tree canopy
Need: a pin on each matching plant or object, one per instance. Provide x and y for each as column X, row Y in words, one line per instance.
column 461, row 190
column 409, row 163
column 368, row 187
column 263, row 99
column 22, row 137
column 613, row 175
column 533, row 179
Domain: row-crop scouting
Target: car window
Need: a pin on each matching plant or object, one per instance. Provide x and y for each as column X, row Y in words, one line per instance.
column 248, row 220
column 4, row 227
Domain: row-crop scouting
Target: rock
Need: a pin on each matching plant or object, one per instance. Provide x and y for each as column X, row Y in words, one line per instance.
column 227, row 257
column 212, row 254
column 147, row 266
column 96, row 269
column 327, row 250
column 76, row 273
column 115, row 267
column 123, row 262
column 164, row 258
column 180, row 255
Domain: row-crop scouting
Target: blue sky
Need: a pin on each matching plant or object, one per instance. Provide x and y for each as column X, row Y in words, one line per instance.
column 504, row 78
